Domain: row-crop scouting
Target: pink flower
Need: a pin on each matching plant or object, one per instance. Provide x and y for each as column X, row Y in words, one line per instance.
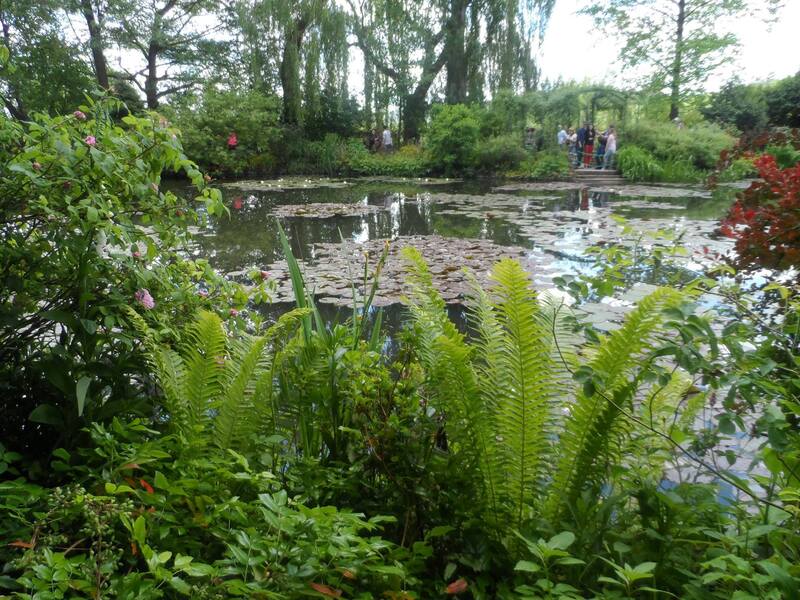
column 37, row 166
column 80, row 115
column 90, row 140
column 237, row 203
column 144, row 298
column 264, row 275
column 234, row 312
column 137, row 254
column 202, row 293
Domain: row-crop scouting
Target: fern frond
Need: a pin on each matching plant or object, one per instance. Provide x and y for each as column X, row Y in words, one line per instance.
column 517, row 354
column 204, row 359
column 596, row 421
column 167, row 366
column 236, row 418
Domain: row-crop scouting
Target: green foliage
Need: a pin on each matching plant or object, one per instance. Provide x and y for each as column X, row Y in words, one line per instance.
column 451, row 139
column 543, row 166
column 786, row 156
column 741, row 106
column 699, row 145
column 76, row 192
column 207, row 121
column 637, row 164
column 783, row 100
column 506, row 395
column 219, row 388
column 500, row 154
column 151, row 522
column 741, row 168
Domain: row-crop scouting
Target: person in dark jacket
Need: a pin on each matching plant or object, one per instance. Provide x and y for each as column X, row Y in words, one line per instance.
column 581, row 142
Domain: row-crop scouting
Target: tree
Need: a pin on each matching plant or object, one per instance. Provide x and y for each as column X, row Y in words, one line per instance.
column 743, row 106
column 783, row 102
column 672, row 39
column 170, row 41
column 388, row 33
column 43, row 71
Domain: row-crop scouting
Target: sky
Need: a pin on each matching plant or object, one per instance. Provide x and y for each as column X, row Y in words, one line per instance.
column 766, row 51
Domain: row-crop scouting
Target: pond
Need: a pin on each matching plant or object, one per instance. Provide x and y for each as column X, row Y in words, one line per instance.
column 336, row 225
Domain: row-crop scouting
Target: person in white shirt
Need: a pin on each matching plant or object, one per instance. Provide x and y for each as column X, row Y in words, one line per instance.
column 611, row 148
column 388, row 146
column 562, row 136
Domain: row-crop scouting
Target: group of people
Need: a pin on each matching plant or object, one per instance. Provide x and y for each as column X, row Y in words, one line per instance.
column 379, row 142
column 587, row 147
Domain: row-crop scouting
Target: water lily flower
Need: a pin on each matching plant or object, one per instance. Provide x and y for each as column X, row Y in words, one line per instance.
column 202, row 293
column 90, row 140
column 80, row 115
column 234, row 312
column 137, row 254
column 144, row 298
column 237, row 203
column 264, row 275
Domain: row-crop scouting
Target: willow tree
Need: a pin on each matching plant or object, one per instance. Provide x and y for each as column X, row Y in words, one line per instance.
column 677, row 43
column 402, row 41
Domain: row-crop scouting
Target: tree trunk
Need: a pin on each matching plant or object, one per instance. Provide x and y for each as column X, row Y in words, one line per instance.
column 507, row 64
column 475, row 78
column 290, row 70
column 677, row 63
column 151, row 83
column 455, row 51
column 96, row 44
column 368, row 84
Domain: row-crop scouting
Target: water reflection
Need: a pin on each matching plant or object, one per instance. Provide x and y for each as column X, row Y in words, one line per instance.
column 557, row 221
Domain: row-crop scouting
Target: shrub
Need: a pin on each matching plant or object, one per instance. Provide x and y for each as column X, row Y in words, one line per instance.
column 638, row 164
column 785, row 155
column 699, row 145
column 765, row 219
column 501, row 153
column 741, row 168
column 553, row 164
column 75, row 193
column 207, row 121
column 451, row 139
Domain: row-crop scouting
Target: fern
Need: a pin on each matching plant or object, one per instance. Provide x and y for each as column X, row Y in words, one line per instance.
column 217, row 389
column 596, row 421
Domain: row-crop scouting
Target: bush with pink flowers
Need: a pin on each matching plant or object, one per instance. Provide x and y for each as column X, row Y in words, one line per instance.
column 86, row 232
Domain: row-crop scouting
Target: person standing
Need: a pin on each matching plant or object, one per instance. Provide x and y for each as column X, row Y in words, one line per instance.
column 588, row 145
column 611, row 148
column 233, row 141
column 601, row 149
column 562, row 136
column 581, row 144
column 388, row 145
column 572, row 143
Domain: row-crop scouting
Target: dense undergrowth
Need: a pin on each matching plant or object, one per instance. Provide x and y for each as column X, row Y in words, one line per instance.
column 457, row 140
column 160, row 440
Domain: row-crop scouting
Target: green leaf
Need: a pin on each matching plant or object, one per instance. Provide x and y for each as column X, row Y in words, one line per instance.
column 80, row 391
column 562, row 541
column 47, row 414
column 180, row 586
column 140, row 530
column 527, row 566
